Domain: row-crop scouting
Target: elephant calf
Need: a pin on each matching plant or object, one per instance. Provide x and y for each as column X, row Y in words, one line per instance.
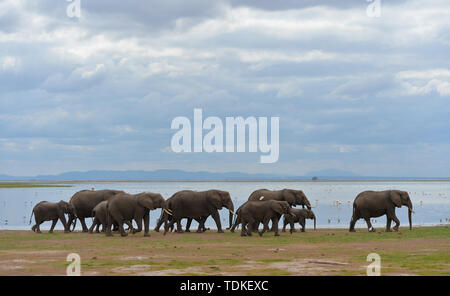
column 254, row 212
column 100, row 215
column 51, row 211
column 300, row 216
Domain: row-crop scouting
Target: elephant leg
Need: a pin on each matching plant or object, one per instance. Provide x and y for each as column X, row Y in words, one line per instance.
column 38, row 226
column 203, row 221
column 188, row 225
column 236, row 223
column 388, row 224
column 179, row 226
column 369, row 224
column 83, row 224
column 147, row 224
column 265, row 226
column 108, row 225
column 216, row 218
column 201, row 225
column 244, row 229
column 115, row 227
column 167, row 226
column 100, row 223
column 255, row 227
column 162, row 219
column 130, row 226
column 352, row 223
column 397, row 223
column 284, row 225
column 138, row 224
column 292, row 225
column 63, row 221
column 54, row 221
column 121, row 229
column 302, row 224
column 94, row 223
column 275, row 226
column 34, row 228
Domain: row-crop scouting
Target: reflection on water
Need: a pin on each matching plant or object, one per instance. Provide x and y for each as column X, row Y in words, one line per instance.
column 332, row 200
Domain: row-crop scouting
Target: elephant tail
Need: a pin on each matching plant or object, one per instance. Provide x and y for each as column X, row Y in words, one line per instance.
column 31, row 216
column 354, row 210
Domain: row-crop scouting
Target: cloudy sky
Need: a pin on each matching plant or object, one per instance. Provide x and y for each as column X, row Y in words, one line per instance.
column 357, row 93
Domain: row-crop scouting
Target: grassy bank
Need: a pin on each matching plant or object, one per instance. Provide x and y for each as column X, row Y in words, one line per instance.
column 30, row 185
column 422, row 251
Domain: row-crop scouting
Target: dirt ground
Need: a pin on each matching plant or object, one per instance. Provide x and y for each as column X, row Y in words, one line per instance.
column 421, row 251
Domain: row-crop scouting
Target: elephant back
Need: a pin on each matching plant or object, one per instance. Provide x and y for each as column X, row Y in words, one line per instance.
column 265, row 194
column 84, row 201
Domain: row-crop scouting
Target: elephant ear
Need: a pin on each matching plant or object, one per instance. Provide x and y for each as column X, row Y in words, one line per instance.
column 215, row 199
column 277, row 208
column 396, row 198
column 146, row 202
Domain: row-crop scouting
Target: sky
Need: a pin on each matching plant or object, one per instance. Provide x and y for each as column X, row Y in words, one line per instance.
column 370, row 95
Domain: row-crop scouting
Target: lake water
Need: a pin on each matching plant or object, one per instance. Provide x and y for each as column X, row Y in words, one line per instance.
column 332, row 200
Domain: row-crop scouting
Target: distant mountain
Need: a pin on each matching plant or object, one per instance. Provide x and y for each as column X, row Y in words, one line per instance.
column 158, row 175
column 179, row 175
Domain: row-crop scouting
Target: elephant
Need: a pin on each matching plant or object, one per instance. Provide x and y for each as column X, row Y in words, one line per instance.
column 46, row 211
column 369, row 204
column 194, row 204
column 165, row 218
column 84, row 202
column 300, row 216
column 255, row 212
column 291, row 196
column 100, row 216
column 126, row 207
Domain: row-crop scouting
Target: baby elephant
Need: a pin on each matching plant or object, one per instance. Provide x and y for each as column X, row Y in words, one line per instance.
column 46, row 211
column 254, row 212
column 300, row 216
column 99, row 214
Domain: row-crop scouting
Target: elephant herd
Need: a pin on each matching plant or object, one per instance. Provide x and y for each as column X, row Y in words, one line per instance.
column 111, row 209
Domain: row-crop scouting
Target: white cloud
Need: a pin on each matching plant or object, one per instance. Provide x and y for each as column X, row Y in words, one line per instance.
column 425, row 82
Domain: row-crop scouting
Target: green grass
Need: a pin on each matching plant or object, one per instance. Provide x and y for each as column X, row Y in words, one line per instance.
column 228, row 252
column 30, row 185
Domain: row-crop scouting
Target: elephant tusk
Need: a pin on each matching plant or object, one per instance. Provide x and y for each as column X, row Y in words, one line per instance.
column 412, row 211
column 167, row 212
column 261, row 198
column 232, row 212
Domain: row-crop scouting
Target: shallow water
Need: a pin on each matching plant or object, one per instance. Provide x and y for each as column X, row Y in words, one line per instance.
column 332, row 200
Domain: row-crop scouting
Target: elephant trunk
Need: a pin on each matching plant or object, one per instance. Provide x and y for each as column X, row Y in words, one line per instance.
column 74, row 224
column 71, row 220
column 409, row 218
column 314, row 222
column 230, row 208
column 410, row 211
